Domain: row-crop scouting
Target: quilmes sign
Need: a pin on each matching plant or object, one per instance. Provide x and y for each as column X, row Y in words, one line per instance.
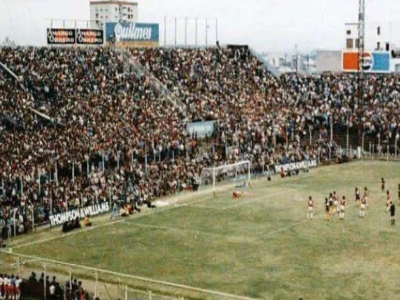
column 71, row 215
column 304, row 165
column 132, row 34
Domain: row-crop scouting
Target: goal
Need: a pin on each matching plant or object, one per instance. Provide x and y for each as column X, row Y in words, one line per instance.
column 238, row 173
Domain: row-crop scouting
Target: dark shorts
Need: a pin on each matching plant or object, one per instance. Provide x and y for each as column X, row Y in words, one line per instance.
column 392, row 212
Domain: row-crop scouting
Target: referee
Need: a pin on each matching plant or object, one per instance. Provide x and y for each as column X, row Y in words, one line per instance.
column 392, row 213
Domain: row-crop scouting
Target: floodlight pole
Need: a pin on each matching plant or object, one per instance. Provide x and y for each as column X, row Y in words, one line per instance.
column 196, row 31
column 186, row 21
column 206, row 32
column 361, row 49
column 165, row 31
column 176, row 31
column 216, row 28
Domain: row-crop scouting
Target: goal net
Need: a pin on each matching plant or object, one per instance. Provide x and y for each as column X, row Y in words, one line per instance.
column 238, row 174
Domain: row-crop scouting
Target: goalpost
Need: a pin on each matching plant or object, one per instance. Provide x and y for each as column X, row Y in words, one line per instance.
column 233, row 173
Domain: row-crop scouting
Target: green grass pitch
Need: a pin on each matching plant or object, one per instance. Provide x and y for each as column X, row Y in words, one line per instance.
column 261, row 246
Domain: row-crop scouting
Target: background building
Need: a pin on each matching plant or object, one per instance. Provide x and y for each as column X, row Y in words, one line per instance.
column 102, row 11
column 379, row 36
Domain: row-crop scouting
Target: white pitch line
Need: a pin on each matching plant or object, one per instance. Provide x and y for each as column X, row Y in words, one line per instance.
column 200, row 233
column 206, row 207
column 244, row 202
column 192, row 203
column 271, row 233
column 286, row 228
column 165, row 283
column 16, row 246
column 184, row 204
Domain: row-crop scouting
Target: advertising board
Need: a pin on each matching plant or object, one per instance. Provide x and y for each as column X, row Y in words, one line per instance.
column 132, row 34
column 202, row 129
column 89, row 37
column 61, row 36
column 373, row 62
column 97, row 209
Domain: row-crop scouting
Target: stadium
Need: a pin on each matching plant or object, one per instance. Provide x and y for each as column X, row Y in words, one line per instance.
column 133, row 167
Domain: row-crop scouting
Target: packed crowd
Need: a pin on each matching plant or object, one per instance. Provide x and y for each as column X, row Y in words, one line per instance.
column 336, row 97
column 89, row 109
column 10, row 287
column 82, row 126
column 14, row 288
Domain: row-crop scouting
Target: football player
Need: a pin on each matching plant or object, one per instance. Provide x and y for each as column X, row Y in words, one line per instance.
column 310, row 214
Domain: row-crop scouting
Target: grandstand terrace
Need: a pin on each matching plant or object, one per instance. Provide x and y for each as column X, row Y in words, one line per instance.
column 110, row 135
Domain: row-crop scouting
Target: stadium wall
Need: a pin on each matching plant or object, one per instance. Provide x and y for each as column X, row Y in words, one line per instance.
column 329, row 61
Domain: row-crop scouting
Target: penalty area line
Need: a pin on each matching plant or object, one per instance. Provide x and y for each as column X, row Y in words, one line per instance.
column 144, row 279
column 185, row 231
column 272, row 233
column 244, row 202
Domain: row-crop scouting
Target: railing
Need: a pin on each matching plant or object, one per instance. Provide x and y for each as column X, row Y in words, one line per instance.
column 155, row 82
column 97, row 283
column 269, row 67
column 358, row 153
column 94, row 284
column 9, row 71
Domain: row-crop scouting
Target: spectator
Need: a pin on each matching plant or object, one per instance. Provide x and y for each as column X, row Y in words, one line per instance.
column 80, row 128
column 18, row 282
column 87, row 222
column 32, row 278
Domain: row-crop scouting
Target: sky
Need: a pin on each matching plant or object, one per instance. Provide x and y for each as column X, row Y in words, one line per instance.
column 266, row 25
